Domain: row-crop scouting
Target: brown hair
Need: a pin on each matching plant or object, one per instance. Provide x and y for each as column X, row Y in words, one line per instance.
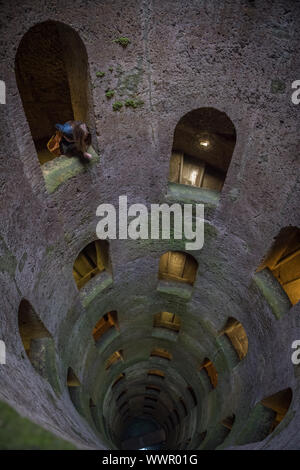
column 81, row 134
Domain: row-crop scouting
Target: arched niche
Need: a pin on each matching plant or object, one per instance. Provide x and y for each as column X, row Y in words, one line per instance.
column 210, row 371
column 74, row 385
column 38, row 343
column 283, row 261
column 167, row 320
column 237, row 337
column 204, row 141
column 52, row 75
column 178, row 266
column 265, row 417
column 161, row 353
column 156, row 373
column 278, row 402
column 92, row 260
column 116, row 357
column 105, row 328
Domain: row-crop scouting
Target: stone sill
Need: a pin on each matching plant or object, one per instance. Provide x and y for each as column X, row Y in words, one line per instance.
column 164, row 333
column 191, row 195
column 178, row 289
column 94, row 287
column 106, row 339
column 61, row 169
column 273, row 292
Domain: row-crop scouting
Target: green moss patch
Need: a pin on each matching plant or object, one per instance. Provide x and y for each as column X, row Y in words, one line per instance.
column 62, row 168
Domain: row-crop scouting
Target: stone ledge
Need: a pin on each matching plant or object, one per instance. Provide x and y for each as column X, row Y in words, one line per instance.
column 164, row 333
column 106, row 339
column 62, row 168
column 273, row 292
column 191, row 195
column 184, row 291
column 94, row 287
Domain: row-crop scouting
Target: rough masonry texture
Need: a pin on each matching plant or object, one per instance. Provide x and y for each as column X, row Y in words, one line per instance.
column 239, row 57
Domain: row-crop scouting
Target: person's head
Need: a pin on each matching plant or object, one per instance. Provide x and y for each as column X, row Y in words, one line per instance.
column 81, row 135
column 77, row 132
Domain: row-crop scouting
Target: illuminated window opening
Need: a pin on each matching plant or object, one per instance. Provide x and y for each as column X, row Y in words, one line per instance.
column 72, row 379
column 283, row 260
column 150, row 407
column 162, row 353
column 151, row 398
column 193, row 395
column 183, row 406
column 123, row 405
column 167, row 320
column 118, row 379
column 279, row 403
column 153, row 388
column 178, row 266
column 30, row 326
column 171, row 421
column 204, row 140
column 107, row 322
column 92, row 260
column 38, row 344
column 177, row 415
column 156, row 373
column 113, row 359
column 122, row 394
column 228, row 422
column 237, row 335
column 211, row 371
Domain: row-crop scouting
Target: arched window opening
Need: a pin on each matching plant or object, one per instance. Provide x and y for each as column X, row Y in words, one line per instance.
column 279, row 403
column 171, row 422
column 204, row 140
column 209, row 368
column 162, row 353
column 118, row 380
column 72, row 379
column 177, row 416
column 73, row 384
column 92, row 260
column 122, row 394
column 108, row 322
column 178, row 266
column 283, row 260
column 183, row 406
column 228, row 422
column 237, row 335
column 114, row 358
column 151, row 407
column 153, row 399
column 153, row 388
column 193, row 395
column 52, row 75
column 33, row 334
column 93, row 410
column 156, row 373
column 123, row 405
column 167, row 320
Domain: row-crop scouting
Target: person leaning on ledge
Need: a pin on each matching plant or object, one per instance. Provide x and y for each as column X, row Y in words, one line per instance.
column 71, row 139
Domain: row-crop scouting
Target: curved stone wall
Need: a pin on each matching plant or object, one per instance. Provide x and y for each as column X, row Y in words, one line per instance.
column 239, row 58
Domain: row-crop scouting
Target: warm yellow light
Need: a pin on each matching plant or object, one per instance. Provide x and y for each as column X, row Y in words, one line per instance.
column 204, row 143
column 193, row 178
